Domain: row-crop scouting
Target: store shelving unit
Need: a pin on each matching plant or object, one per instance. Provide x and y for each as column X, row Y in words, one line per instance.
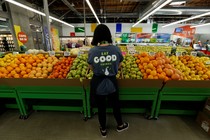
column 132, row 90
column 182, row 91
column 10, row 42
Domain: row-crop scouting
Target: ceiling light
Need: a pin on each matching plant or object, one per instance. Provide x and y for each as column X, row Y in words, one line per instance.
column 159, row 7
column 178, row 12
column 25, row 7
column 36, row 11
column 3, row 19
column 89, row 4
column 58, row 20
column 177, row 3
column 200, row 25
column 187, row 19
column 4, row 26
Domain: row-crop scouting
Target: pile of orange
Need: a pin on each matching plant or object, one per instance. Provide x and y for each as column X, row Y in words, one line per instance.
column 198, row 69
column 23, row 65
column 61, row 68
column 157, row 67
column 44, row 68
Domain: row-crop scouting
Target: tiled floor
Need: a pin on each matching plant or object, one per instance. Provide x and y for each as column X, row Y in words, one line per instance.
column 45, row 125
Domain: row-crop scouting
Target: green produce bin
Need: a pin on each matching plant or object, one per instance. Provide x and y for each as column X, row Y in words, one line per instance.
column 50, row 89
column 132, row 90
column 8, row 92
column 182, row 91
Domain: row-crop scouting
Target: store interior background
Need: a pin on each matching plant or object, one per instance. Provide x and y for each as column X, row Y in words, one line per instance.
column 125, row 12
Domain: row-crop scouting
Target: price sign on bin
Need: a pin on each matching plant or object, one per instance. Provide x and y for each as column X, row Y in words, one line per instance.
column 22, row 37
column 66, row 54
column 51, row 53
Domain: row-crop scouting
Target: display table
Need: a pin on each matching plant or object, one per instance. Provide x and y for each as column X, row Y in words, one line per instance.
column 49, row 89
column 132, row 90
column 187, row 91
column 7, row 91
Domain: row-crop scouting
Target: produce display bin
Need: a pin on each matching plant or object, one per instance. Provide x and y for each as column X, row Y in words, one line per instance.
column 132, row 90
column 50, row 89
column 187, row 91
column 7, row 91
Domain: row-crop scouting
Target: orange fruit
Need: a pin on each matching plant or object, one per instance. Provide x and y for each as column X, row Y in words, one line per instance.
column 175, row 76
column 148, row 71
column 23, row 73
column 17, row 69
column 169, row 72
column 153, row 73
column 9, row 68
column 150, row 77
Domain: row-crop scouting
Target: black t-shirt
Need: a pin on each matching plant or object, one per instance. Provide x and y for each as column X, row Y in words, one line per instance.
column 105, row 60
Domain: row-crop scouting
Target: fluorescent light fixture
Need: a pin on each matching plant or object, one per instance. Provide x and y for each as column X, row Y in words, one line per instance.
column 4, row 26
column 25, row 7
column 36, row 11
column 171, row 10
column 187, row 19
column 58, row 20
column 89, row 4
column 155, row 10
column 3, row 19
column 178, row 3
column 200, row 25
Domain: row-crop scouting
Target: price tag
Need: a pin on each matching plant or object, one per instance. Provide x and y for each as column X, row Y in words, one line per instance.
column 15, row 53
column 152, row 53
column 208, row 63
column 132, row 52
column 131, row 47
column 178, row 54
column 73, row 45
column 205, row 126
column 66, row 53
column 26, row 52
column 194, row 53
column 51, row 53
column 85, row 48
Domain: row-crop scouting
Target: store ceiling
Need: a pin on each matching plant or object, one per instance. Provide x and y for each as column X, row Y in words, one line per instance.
column 112, row 11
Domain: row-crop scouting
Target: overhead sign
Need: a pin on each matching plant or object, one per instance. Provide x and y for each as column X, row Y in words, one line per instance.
column 136, row 30
column 72, row 33
column 118, row 28
column 154, row 27
column 22, row 37
column 79, row 29
column 93, row 27
column 185, row 31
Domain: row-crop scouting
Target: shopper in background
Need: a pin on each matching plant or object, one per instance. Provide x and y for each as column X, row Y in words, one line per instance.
column 104, row 59
column 192, row 43
column 72, row 45
column 5, row 44
column 206, row 44
column 200, row 45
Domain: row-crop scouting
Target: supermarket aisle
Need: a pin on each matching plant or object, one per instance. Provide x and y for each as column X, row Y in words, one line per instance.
column 70, row 126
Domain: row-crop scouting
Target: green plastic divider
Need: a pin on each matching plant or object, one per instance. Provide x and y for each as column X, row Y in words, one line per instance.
column 7, row 91
column 50, row 89
column 132, row 90
column 187, row 91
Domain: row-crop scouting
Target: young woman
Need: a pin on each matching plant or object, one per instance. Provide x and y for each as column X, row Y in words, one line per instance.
column 104, row 59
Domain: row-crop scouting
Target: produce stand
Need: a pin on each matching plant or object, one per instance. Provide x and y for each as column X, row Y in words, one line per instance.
column 187, row 91
column 132, row 90
column 7, row 91
column 57, row 89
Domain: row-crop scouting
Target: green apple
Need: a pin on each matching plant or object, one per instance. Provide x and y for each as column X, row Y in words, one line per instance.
column 127, row 77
